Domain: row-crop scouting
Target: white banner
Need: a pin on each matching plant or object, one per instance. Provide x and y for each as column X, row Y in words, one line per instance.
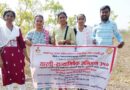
column 72, row 66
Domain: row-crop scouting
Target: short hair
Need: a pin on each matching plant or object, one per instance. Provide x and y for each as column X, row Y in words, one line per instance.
column 7, row 11
column 105, row 7
column 38, row 16
column 81, row 15
column 61, row 13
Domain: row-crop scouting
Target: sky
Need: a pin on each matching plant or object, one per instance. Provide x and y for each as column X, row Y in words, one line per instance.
column 91, row 8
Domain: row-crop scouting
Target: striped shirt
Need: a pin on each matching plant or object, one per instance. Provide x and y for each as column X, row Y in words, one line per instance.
column 103, row 33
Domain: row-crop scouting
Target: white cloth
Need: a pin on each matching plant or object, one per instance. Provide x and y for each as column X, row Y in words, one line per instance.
column 10, row 87
column 84, row 37
column 22, row 87
column 6, row 35
column 2, row 22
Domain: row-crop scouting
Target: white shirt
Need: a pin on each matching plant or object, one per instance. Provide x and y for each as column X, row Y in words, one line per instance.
column 7, row 35
column 84, row 37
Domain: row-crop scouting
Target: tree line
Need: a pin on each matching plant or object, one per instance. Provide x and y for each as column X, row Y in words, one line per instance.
column 27, row 9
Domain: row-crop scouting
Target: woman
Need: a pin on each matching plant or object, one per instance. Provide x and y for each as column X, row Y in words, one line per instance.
column 39, row 35
column 63, row 34
column 13, row 53
column 84, row 32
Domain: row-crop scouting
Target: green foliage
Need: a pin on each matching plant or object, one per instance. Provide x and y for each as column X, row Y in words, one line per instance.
column 25, row 13
column 27, row 9
column 72, row 20
column 52, row 8
column 3, row 7
column 51, row 20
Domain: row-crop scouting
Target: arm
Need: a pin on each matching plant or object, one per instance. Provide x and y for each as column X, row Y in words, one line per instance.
column 121, row 45
column 52, row 35
column 94, row 35
column 26, row 55
column 28, row 42
column 118, row 36
column 28, row 38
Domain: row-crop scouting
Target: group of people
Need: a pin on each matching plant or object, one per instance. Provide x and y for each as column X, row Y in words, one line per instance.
column 13, row 50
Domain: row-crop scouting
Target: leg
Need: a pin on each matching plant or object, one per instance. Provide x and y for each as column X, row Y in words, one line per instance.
column 39, row 89
column 42, row 88
column 10, row 87
column 21, row 87
column 62, row 88
column 47, row 88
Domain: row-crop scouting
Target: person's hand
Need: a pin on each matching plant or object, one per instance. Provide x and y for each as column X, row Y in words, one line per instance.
column 1, row 62
column 68, row 42
column 28, row 42
column 28, row 59
column 61, row 42
column 94, row 41
column 121, row 45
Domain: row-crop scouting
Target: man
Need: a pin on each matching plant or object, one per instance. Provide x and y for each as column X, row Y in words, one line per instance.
column 106, row 30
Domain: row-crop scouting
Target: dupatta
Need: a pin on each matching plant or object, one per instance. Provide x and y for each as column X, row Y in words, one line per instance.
column 6, row 35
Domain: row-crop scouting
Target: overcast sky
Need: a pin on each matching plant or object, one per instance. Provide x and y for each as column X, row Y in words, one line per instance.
column 91, row 9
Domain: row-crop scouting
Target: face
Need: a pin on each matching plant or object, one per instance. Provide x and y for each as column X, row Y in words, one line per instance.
column 62, row 19
column 105, row 14
column 9, row 17
column 39, row 22
column 81, row 20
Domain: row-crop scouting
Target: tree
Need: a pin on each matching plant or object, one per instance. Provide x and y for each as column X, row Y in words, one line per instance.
column 52, row 8
column 3, row 7
column 27, row 9
column 25, row 13
column 72, row 20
